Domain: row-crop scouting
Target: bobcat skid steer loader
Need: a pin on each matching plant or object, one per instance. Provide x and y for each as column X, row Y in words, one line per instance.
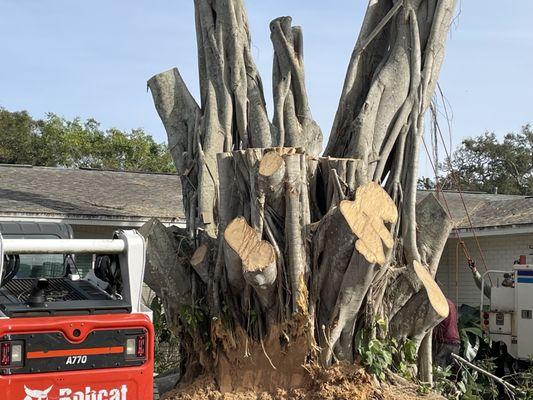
column 66, row 337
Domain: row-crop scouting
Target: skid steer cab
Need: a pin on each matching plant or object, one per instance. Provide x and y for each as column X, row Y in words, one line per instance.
column 67, row 337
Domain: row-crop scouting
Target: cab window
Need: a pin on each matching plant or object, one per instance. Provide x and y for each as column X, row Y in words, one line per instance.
column 39, row 265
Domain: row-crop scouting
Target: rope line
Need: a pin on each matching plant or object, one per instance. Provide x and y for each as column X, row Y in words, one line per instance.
column 459, row 189
column 456, row 232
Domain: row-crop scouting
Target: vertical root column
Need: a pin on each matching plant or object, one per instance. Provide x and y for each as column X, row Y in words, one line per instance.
column 264, row 208
column 297, row 219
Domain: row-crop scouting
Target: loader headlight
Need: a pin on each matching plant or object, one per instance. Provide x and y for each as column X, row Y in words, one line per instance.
column 16, row 353
column 130, row 347
column 136, row 347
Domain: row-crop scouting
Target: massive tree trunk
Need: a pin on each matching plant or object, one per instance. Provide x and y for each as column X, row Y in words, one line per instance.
column 288, row 255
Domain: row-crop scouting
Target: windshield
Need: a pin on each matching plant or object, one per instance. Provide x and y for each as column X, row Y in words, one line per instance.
column 39, row 265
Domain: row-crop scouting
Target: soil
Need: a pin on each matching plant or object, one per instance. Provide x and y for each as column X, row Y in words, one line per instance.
column 341, row 382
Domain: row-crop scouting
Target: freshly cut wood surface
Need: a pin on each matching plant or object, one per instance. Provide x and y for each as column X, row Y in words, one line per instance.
column 199, row 255
column 199, row 262
column 270, row 163
column 366, row 216
column 256, row 254
column 434, row 292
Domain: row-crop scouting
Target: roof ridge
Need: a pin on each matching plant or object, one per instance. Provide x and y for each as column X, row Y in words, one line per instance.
column 16, row 165
column 29, row 166
column 124, row 171
column 485, row 195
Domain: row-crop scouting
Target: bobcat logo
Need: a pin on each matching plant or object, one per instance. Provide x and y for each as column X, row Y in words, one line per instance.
column 36, row 394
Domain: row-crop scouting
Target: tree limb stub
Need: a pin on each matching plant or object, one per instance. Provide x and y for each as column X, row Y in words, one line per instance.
column 179, row 112
column 366, row 216
column 257, row 256
column 200, row 262
column 292, row 116
column 421, row 310
column 434, row 227
column 167, row 272
column 271, row 182
column 272, row 165
column 434, row 293
column 420, row 314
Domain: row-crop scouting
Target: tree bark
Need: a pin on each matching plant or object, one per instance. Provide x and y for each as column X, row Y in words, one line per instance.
column 293, row 254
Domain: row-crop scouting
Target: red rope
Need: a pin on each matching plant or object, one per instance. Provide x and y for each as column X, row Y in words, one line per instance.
column 439, row 189
column 459, row 189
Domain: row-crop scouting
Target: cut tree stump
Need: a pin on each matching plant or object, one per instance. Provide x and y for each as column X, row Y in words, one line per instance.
column 290, row 256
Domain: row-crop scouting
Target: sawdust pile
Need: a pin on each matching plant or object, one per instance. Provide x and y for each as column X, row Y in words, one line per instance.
column 341, row 382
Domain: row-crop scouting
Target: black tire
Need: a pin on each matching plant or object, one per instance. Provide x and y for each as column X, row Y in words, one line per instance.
column 156, row 391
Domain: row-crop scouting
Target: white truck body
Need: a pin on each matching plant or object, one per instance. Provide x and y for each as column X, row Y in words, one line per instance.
column 509, row 318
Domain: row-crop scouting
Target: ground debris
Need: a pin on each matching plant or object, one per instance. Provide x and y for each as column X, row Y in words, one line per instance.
column 340, row 382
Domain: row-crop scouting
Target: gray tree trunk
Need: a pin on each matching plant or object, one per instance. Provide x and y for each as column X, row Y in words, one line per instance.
column 288, row 255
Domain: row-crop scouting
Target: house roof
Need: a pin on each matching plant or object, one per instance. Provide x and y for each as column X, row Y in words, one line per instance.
column 89, row 194
column 86, row 194
column 485, row 210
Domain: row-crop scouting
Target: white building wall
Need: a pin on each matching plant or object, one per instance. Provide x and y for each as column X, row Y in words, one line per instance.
column 94, row 231
column 500, row 252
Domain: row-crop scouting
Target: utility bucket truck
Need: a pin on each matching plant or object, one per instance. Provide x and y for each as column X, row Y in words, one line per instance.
column 66, row 337
column 509, row 317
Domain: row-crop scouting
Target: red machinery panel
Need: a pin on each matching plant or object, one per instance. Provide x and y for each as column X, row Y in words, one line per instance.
column 78, row 358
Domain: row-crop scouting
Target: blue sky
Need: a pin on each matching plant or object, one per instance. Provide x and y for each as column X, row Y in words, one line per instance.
column 92, row 58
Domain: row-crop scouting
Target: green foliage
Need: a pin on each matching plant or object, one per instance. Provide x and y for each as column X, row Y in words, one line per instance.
column 474, row 385
column 193, row 315
column 57, row 142
column 443, row 383
column 405, row 357
column 380, row 355
column 166, row 343
column 472, row 339
column 462, row 383
column 466, row 384
column 376, row 356
column 485, row 164
column 17, row 142
column 524, row 380
column 196, row 320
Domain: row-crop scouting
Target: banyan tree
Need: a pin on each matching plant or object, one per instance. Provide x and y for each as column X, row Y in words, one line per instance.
column 291, row 251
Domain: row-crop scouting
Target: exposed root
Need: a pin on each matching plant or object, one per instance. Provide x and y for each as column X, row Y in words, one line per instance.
column 341, row 382
column 266, row 354
column 271, row 362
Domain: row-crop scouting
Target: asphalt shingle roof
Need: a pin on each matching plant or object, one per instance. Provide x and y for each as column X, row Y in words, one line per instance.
column 486, row 210
column 112, row 194
column 90, row 193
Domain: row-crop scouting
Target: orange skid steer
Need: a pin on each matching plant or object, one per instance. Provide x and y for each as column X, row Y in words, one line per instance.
column 67, row 337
